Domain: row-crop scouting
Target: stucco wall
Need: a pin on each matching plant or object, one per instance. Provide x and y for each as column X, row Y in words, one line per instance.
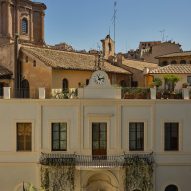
column 38, row 76
column 170, row 167
column 7, row 56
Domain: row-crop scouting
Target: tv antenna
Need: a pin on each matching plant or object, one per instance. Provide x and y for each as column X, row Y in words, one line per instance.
column 163, row 34
column 114, row 20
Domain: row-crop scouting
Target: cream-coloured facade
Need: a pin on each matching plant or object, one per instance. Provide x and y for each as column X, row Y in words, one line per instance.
column 152, row 168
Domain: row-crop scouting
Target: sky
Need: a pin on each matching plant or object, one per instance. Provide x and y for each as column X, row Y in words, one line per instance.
column 83, row 23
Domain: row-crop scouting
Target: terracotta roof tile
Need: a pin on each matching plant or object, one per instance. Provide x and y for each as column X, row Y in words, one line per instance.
column 176, row 54
column 173, row 69
column 139, row 65
column 69, row 60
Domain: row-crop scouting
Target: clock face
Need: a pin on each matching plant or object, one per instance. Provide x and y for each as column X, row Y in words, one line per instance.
column 99, row 78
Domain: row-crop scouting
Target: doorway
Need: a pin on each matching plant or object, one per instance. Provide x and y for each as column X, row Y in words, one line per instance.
column 99, row 139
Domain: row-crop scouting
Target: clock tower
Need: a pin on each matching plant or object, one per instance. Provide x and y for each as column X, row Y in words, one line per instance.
column 99, row 87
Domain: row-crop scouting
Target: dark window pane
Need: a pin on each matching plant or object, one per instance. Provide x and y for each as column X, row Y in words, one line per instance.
column 59, row 136
column 136, row 136
column 171, row 136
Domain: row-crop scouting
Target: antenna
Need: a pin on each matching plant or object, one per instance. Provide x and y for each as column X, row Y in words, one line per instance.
column 163, row 34
column 114, row 20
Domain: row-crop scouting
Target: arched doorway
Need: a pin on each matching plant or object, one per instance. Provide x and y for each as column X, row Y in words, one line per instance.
column 102, row 181
column 25, row 89
column 171, row 188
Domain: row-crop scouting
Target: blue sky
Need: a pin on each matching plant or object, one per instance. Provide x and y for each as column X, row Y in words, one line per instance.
column 83, row 23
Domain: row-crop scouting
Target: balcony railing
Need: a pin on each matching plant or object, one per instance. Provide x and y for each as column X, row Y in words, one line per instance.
column 98, row 161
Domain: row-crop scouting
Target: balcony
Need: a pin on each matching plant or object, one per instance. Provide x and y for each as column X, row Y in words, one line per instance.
column 87, row 161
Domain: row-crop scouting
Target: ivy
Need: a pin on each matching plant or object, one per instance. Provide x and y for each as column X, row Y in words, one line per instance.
column 138, row 174
column 57, row 178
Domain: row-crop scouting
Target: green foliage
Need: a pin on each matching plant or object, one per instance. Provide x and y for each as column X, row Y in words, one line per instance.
column 171, row 78
column 59, row 178
column 157, row 82
column 139, row 174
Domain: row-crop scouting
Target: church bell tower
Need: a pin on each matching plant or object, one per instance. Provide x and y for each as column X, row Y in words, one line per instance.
column 24, row 18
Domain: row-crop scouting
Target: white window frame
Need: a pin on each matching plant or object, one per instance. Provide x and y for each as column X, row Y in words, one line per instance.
column 68, row 135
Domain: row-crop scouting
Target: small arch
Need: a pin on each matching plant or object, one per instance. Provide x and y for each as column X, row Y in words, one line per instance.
column 24, row 26
column 34, row 63
column 65, row 84
column 87, row 82
column 171, row 188
column 26, row 59
column 174, row 62
column 25, row 93
column 110, row 47
column 183, row 62
column 164, row 63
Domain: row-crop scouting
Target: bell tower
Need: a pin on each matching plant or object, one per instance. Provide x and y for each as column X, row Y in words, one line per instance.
column 108, row 46
column 22, row 17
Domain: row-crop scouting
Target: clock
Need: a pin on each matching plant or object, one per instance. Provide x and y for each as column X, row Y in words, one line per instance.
column 99, row 79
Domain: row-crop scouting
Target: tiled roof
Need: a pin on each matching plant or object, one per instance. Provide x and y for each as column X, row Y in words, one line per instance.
column 69, row 60
column 4, row 72
column 176, row 54
column 139, row 65
column 173, row 69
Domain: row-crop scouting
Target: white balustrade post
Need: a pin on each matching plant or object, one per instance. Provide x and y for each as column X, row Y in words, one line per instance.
column 7, row 92
column 153, row 93
column 185, row 92
column 42, row 93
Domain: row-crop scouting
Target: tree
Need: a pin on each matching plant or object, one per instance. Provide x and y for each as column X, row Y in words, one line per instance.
column 170, row 81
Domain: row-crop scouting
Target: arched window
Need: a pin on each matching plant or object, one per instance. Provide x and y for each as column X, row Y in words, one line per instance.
column 87, row 82
column 110, row 48
column 25, row 89
column 24, row 26
column 65, row 84
column 174, row 62
column 164, row 63
column 171, row 188
column 183, row 62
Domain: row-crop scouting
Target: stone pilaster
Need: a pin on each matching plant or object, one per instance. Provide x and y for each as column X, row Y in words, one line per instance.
column 31, row 26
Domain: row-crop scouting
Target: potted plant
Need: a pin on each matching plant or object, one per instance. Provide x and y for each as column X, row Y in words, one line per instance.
column 170, row 81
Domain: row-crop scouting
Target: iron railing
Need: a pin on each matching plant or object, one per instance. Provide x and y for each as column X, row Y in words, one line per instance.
column 98, row 161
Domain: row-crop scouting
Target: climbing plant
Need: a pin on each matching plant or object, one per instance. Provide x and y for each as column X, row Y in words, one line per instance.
column 57, row 178
column 139, row 173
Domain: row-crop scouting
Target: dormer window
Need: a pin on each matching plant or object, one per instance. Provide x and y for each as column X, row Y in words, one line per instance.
column 24, row 26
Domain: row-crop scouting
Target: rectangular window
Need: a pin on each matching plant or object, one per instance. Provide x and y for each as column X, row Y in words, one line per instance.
column 24, row 137
column 136, row 136
column 189, row 80
column 59, row 136
column 171, row 136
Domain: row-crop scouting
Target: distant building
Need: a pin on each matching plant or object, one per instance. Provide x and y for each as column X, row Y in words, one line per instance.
column 63, row 46
column 175, row 58
column 151, row 53
column 137, row 68
column 148, row 51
